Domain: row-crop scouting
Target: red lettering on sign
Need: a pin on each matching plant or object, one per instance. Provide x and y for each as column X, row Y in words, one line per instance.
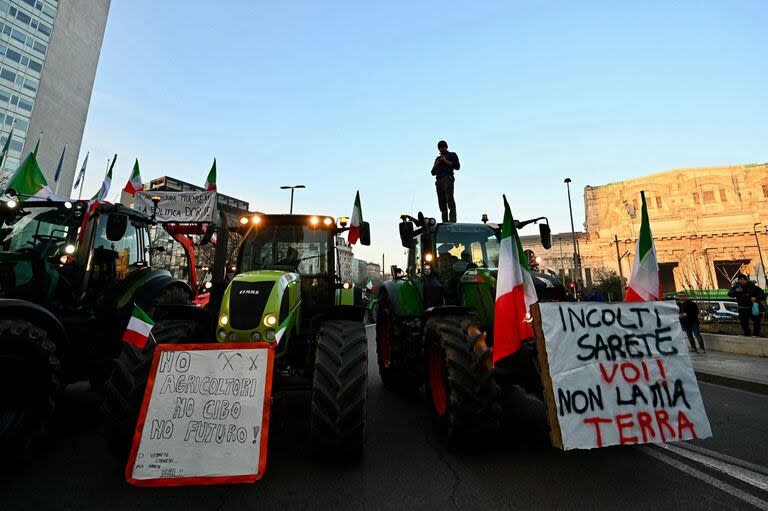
column 662, row 419
column 644, row 420
column 627, row 365
column 622, row 423
column 606, row 378
column 683, row 424
column 597, row 421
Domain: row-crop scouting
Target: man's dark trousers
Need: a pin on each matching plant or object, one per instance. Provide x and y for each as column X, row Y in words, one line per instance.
column 745, row 315
column 444, row 186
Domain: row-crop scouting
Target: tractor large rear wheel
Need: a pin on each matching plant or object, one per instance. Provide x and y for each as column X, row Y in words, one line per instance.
column 124, row 389
column 28, row 383
column 459, row 378
column 340, row 389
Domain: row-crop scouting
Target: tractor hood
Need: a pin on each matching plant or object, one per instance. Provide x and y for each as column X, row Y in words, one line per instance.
column 252, row 303
column 548, row 288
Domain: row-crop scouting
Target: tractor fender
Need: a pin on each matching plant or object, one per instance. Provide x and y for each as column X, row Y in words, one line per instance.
column 154, row 284
column 403, row 297
column 37, row 315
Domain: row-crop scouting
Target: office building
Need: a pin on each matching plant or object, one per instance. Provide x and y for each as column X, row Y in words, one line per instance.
column 49, row 51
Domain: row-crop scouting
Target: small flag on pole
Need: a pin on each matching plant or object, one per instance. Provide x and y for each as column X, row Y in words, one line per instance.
column 61, row 162
column 369, row 284
column 515, row 292
column 210, row 181
column 106, row 184
column 6, row 146
column 82, row 171
column 28, row 181
column 645, row 281
column 134, row 184
column 355, row 221
column 139, row 327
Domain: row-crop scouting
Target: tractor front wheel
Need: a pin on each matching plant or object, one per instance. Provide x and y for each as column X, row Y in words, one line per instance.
column 340, row 389
column 28, row 383
column 460, row 383
column 124, row 389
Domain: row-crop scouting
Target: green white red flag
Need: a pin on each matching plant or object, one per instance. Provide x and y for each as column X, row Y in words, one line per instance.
column 645, row 281
column 210, row 181
column 134, row 183
column 139, row 327
column 355, row 221
column 29, row 182
column 515, row 293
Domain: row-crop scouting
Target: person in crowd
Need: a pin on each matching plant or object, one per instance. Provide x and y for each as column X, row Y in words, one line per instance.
column 689, row 319
column 747, row 293
column 445, row 164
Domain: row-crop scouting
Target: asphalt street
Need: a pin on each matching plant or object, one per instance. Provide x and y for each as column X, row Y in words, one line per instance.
column 405, row 467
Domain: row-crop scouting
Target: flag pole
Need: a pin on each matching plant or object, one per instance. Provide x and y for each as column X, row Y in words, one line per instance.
column 58, row 168
column 5, row 157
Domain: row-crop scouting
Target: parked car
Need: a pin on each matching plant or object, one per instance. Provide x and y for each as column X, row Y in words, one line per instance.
column 718, row 310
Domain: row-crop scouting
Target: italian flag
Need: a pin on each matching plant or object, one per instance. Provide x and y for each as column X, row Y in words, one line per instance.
column 139, row 327
column 515, row 293
column 356, row 220
column 369, row 284
column 645, row 281
column 29, row 182
column 210, row 181
column 106, row 184
column 134, row 183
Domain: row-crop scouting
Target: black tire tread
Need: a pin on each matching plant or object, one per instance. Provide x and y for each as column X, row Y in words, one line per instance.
column 339, row 389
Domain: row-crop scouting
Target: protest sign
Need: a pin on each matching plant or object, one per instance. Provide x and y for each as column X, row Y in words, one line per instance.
column 205, row 416
column 182, row 207
column 620, row 374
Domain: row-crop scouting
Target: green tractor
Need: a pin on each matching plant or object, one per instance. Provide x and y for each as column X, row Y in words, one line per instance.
column 435, row 324
column 287, row 291
column 70, row 275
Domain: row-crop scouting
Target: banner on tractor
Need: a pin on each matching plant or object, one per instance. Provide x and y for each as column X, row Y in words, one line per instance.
column 182, row 207
column 619, row 374
column 205, row 416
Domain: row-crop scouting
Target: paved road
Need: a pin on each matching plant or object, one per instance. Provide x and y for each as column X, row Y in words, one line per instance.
column 404, row 467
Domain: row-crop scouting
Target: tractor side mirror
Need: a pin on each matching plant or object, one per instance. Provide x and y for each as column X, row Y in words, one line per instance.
column 365, row 233
column 546, row 236
column 406, row 234
column 117, row 224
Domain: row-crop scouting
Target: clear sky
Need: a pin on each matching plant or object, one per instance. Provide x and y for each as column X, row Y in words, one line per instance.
column 345, row 96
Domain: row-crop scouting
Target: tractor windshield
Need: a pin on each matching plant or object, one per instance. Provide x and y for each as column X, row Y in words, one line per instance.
column 286, row 247
column 40, row 230
column 469, row 243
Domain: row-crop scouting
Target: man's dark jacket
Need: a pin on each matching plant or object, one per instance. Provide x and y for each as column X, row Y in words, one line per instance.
column 691, row 311
column 748, row 291
column 443, row 169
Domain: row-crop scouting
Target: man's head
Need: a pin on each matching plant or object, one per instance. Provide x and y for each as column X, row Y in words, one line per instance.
column 442, row 146
column 683, row 297
column 743, row 279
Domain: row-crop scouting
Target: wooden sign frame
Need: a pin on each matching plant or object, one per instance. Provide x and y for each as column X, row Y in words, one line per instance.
column 546, row 379
column 203, row 480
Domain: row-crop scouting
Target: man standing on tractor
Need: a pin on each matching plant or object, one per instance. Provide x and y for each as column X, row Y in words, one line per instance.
column 443, row 169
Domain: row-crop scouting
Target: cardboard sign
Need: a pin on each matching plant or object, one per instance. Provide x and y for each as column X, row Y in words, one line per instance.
column 205, row 416
column 620, row 374
column 182, row 207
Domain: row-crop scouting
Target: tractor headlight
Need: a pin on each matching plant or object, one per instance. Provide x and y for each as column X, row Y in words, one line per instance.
column 270, row 320
column 327, row 221
column 255, row 336
column 244, row 220
column 69, row 249
column 11, row 204
column 68, row 205
column 270, row 335
column 314, row 220
column 256, row 219
column 224, row 320
column 347, row 285
column 208, row 285
column 428, row 258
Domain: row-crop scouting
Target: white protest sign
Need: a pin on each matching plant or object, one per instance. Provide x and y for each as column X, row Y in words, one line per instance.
column 183, row 207
column 205, row 416
column 621, row 374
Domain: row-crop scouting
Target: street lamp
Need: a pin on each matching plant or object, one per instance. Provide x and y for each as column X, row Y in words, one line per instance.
column 292, row 188
column 576, row 261
column 760, row 253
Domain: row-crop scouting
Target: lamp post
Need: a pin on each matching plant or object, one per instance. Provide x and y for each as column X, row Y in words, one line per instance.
column 576, row 259
column 292, row 188
column 760, row 253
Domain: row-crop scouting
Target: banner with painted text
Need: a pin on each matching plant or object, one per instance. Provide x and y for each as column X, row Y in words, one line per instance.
column 182, row 207
column 621, row 374
column 205, row 416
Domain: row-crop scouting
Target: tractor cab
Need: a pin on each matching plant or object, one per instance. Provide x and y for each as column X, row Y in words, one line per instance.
column 286, row 279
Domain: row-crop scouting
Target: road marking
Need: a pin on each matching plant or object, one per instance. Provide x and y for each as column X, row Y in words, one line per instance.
column 698, row 474
column 723, row 457
column 742, row 474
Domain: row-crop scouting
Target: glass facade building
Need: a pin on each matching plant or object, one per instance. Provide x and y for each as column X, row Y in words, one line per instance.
column 26, row 27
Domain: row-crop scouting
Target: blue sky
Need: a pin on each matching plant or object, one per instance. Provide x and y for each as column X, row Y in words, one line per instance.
column 342, row 96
